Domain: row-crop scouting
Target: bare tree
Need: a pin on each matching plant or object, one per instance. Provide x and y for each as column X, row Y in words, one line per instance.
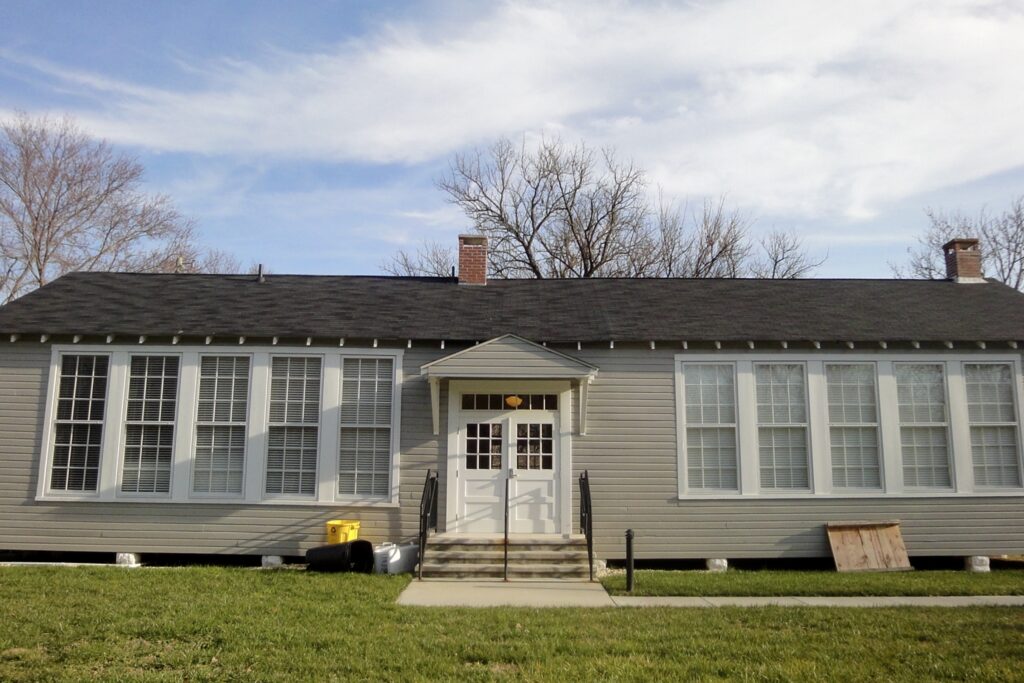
column 70, row 202
column 1002, row 244
column 432, row 259
column 557, row 211
column 783, row 257
column 709, row 242
column 560, row 211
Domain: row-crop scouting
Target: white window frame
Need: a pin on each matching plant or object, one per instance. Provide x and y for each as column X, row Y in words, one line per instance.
column 818, row 422
column 107, row 441
column 395, row 401
column 194, row 410
column 684, row 472
column 1019, row 426
column 954, row 474
column 122, row 445
column 877, row 424
column 253, row 490
column 321, row 471
column 808, row 426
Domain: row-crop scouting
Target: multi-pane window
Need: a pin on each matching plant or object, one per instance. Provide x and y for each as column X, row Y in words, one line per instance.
column 534, row 446
column 853, row 426
column 924, row 427
column 510, row 402
column 992, row 412
column 367, row 388
column 221, row 416
column 483, row 446
column 149, row 424
column 782, row 426
column 294, row 425
column 710, row 417
column 78, row 428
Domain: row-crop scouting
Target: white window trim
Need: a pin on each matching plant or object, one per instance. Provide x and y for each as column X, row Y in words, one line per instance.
column 395, row 399
column 108, row 440
column 112, row 451
column 684, row 472
column 812, row 470
column 193, row 366
column 818, row 426
column 322, row 445
column 1015, row 387
column 956, row 475
column 121, row 390
column 827, row 424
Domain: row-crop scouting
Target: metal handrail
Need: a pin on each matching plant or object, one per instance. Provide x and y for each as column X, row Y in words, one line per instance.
column 428, row 515
column 507, row 480
column 587, row 518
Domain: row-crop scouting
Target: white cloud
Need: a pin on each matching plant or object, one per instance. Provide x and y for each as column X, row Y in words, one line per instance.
column 805, row 107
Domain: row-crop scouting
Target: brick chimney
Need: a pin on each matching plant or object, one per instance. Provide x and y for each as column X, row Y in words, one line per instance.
column 963, row 260
column 472, row 260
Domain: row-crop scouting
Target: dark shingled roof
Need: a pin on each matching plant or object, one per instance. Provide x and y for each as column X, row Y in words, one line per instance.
column 543, row 310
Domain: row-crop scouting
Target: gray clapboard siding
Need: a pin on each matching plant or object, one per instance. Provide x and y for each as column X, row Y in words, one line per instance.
column 177, row 527
column 629, row 449
column 630, row 452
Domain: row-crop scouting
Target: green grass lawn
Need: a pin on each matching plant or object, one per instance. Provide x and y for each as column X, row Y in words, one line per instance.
column 243, row 624
column 772, row 583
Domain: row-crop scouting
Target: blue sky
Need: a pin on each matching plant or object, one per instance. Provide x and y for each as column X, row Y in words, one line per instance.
column 308, row 135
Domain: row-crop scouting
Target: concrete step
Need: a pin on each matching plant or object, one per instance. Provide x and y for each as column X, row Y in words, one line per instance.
column 497, row 544
column 451, row 570
column 480, row 556
column 483, row 557
column 514, row 539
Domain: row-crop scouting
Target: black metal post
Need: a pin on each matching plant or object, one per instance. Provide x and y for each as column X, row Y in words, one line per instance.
column 629, row 560
column 506, row 528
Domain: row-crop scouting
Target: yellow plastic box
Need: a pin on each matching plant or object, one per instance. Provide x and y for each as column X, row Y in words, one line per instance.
column 342, row 530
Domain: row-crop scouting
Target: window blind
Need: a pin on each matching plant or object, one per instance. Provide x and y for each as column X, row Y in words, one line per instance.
column 294, row 424
column 710, row 423
column 149, row 424
column 924, row 427
column 364, row 464
column 992, row 412
column 78, row 427
column 221, row 414
column 853, row 426
column 782, row 426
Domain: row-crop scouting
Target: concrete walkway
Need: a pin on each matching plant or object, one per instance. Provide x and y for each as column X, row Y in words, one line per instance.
column 788, row 601
column 457, row 593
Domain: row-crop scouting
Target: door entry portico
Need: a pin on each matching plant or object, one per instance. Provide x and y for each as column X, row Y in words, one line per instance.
column 510, row 408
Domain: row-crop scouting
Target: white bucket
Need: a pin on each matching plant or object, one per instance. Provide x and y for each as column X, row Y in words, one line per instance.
column 389, row 558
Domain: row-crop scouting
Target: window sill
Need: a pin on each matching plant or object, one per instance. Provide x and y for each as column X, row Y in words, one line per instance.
column 72, row 497
column 238, row 502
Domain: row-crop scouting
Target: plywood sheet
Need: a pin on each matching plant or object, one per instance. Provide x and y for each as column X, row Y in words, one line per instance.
column 868, row 546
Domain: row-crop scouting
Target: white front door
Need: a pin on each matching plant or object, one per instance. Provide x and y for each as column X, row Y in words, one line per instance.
column 534, row 469
column 520, row 447
column 483, row 462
